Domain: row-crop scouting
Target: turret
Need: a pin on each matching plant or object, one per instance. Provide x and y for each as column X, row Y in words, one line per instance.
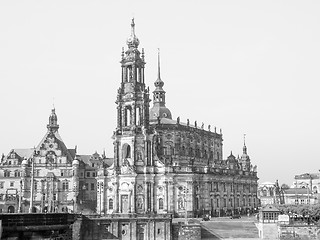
column 53, row 122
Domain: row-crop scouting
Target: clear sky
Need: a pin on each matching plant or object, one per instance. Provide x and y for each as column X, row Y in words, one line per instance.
column 248, row 67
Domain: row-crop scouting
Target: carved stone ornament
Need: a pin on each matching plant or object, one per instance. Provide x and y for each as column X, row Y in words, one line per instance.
column 139, row 188
column 126, row 168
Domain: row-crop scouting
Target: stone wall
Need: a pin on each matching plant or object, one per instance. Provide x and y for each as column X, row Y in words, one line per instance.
column 186, row 232
column 300, row 232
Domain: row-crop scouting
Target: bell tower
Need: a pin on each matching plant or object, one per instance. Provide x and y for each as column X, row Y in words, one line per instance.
column 132, row 106
column 133, row 97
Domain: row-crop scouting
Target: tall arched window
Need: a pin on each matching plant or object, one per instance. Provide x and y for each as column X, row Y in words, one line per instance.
column 160, row 203
column 127, row 119
column 128, row 152
column 183, row 151
column 138, row 118
column 110, row 204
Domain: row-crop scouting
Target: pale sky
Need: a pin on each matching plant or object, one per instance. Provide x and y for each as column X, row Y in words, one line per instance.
column 248, row 67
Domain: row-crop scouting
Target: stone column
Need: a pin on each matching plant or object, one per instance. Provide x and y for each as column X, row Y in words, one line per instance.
column 166, row 197
column 116, row 198
column 152, row 196
column 133, row 194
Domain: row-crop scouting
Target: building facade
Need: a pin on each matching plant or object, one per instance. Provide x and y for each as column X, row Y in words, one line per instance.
column 270, row 193
column 165, row 166
column 49, row 177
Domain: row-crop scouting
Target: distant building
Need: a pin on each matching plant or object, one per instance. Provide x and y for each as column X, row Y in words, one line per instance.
column 49, row 177
column 308, row 180
column 298, row 196
column 270, row 193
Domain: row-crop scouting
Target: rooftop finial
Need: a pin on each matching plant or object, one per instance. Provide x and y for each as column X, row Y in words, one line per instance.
column 244, row 144
column 132, row 27
column 159, row 63
column 132, row 40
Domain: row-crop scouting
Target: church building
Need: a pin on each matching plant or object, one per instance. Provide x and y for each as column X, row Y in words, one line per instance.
column 164, row 166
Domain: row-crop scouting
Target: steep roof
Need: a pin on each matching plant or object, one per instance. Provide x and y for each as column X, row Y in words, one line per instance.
column 24, row 152
column 64, row 150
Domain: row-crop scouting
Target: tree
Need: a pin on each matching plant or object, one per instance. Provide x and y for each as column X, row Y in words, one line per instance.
column 284, row 186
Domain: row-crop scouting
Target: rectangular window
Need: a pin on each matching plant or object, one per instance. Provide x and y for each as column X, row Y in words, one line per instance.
column 54, row 197
column 224, row 202
column 94, row 174
column 92, row 186
column 88, row 174
column 87, row 186
column 11, row 184
column 217, row 203
column 1, row 185
column 65, row 186
column 35, row 185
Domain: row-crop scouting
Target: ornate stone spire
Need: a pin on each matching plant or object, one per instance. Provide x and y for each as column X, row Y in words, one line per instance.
column 244, row 144
column 159, row 98
column 133, row 41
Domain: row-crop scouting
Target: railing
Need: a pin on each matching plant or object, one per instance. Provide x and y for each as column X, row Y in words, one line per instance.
column 36, row 219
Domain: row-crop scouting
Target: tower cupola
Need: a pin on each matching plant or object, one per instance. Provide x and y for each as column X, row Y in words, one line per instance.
column 53, row 121
column 132, row 40
column 159, row 108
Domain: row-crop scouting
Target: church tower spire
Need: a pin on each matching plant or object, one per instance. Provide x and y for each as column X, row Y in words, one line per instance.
column 159, row 108
column 244, row 145
column 132, row 105
column 133, row 97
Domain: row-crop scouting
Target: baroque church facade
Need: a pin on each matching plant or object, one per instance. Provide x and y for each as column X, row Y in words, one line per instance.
column 164, row 166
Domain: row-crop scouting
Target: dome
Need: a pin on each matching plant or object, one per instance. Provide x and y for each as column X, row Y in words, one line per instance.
column 53, row 116
column 159, row 111
column 132, row 40
column 159, row 84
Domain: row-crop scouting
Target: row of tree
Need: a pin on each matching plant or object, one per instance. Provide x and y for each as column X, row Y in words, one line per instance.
column 312, row 211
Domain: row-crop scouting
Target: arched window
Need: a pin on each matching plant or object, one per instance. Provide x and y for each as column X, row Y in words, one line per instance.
column 217, row 155
column 11, row 209
column 138, row 113
column 160, row 203
column 127, row 117
column 183, row 151
column 110, row 204
column 128, row 152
